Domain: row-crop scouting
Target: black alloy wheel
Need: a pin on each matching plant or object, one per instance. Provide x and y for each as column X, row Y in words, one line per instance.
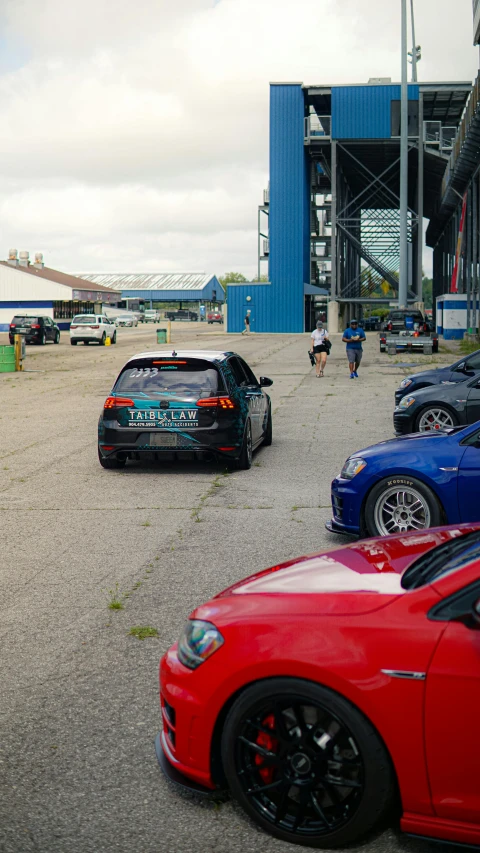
column 102, row 341
column 114, row 339
column 111, row 462
column 268, row 436
column 57, row 338
column 244, row 461
column 305, row 764
column 43, row 339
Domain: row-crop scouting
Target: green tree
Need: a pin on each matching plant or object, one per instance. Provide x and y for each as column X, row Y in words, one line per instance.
column 231, row 278
column 427, row 291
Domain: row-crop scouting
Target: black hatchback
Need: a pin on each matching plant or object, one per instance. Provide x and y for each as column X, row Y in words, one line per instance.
column 190, row 404
column 35, row 330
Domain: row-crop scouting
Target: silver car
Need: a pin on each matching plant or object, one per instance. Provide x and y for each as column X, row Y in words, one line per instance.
column 126, row 320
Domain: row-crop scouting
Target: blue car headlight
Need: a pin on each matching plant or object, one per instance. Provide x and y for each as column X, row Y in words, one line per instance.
column 199, row 641
column 406, row 402
column 352, row 467
column 405, row 383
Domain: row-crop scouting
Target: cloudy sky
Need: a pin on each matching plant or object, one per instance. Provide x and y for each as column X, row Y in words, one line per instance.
column 134, row 135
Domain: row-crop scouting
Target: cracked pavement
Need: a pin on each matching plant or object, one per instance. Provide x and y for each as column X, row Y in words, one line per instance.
column 79, row 697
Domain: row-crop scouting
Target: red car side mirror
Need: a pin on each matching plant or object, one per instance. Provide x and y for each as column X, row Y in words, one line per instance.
column 476, row 612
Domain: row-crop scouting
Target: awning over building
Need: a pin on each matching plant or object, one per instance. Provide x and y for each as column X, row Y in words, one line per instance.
column 162, row 287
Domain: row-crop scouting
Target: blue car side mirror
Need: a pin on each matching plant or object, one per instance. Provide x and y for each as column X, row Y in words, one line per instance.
column 265, row 382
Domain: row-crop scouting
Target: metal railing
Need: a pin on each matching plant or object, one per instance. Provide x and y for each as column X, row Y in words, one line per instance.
column 469, row 113
column 318, row 127
column 437, row 136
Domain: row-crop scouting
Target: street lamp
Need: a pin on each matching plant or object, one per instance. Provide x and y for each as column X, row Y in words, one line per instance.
column 403, row 273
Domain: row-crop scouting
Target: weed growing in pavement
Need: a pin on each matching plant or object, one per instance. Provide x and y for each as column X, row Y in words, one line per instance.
column 141, row 632
column 466, row 347
column 115, row 602
column 258, row 465
column 137, row 585
column 146, row 523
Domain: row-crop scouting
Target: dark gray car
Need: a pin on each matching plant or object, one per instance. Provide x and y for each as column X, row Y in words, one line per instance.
column 457, row 372
column 439, row 407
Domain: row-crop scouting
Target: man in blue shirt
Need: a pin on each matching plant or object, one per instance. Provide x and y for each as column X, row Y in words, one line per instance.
column 353, row 337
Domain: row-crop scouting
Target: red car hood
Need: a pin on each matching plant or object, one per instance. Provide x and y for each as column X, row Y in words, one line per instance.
column 358, row 578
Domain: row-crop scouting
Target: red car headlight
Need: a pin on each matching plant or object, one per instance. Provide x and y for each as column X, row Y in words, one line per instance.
column 199, row 641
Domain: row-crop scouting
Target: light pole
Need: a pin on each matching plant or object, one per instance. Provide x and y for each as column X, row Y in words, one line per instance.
column 403, row 273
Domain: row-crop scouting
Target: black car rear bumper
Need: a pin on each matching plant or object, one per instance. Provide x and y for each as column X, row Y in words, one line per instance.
column 134, row 444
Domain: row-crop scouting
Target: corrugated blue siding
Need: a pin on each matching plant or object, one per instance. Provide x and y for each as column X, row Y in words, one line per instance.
column 259, row 304
column 364, row 112
column 289, row 219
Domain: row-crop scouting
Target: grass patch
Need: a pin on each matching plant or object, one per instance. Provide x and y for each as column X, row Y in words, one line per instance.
column 141, row 632
column 115, row 602
column 466, row 346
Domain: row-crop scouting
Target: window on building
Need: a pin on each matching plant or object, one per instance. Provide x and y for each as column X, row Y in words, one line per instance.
column 412, row 118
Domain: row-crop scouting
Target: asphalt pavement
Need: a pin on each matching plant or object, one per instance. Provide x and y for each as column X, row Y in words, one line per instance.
column 79, row 706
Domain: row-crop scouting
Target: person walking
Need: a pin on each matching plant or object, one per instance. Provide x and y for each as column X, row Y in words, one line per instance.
column 353, row 337
column 319, row 347
column 246, row 330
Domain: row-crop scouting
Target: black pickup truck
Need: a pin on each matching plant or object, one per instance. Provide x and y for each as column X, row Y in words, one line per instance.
column 181, row 314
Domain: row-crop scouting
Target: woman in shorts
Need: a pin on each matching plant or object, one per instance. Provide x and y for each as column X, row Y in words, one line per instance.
column 319, row 348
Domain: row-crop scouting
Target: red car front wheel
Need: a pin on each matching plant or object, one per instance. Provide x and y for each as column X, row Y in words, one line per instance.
column 305, row 764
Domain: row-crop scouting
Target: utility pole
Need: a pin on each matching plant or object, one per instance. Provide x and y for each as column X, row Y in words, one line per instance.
column 403, row 275
column 414, row 46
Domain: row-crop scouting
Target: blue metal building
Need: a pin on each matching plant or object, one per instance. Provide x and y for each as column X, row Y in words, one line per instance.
column 330, row 217
column 163, row 287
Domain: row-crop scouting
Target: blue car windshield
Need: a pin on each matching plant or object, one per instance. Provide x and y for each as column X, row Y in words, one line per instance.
column 443, row 560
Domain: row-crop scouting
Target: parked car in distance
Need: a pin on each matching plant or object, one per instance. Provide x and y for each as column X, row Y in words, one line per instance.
column 151, row 316
column 406, row 319
column 214, row 317
column 337, row 691
column 181, row 314
column 456, row 372
column 35, row 330
column 126, row 320
column 371, row 324
column 92, row 329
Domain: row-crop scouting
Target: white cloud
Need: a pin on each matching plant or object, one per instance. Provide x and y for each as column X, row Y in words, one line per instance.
column 136, row 135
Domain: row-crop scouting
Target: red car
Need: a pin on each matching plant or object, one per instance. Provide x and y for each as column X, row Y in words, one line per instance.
column 326, row 691
column 214, row 317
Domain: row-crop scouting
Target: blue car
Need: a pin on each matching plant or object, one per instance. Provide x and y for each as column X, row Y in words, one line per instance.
column 409, row 483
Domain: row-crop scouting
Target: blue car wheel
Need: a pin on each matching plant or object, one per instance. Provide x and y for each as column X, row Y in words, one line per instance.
column 400, row 504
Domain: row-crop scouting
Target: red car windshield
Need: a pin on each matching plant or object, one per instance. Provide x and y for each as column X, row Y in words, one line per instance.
column 443, row 560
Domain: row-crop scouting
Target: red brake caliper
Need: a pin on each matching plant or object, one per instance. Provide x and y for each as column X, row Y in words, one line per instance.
column 270, row 743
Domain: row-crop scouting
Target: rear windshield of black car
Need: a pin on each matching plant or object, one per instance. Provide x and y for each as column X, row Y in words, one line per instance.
column 24, row 321
column 177, row 379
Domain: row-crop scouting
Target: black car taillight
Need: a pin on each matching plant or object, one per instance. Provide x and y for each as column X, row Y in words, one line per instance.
column 118, row 403
column 216, row 403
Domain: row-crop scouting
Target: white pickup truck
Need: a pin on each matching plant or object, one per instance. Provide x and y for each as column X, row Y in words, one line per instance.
column 151, row 316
